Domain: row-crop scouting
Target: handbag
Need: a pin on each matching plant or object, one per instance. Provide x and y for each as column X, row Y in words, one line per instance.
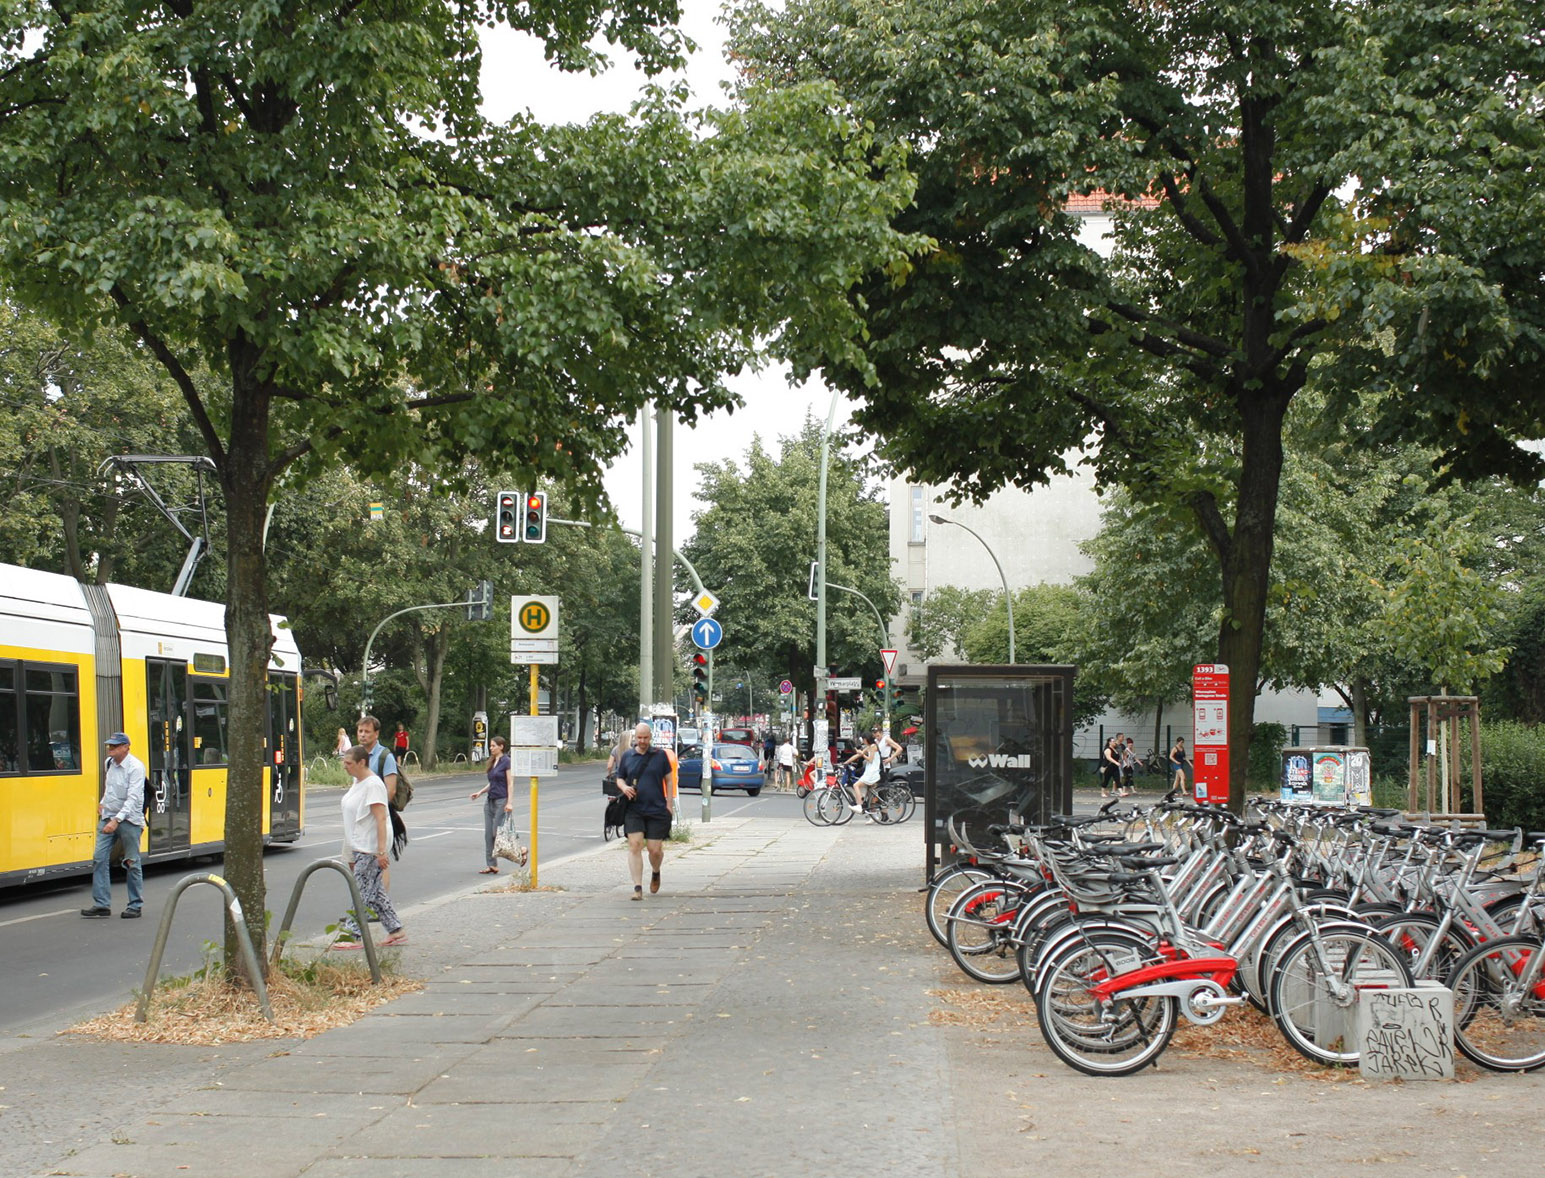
column 507, row 844
column 609, row 785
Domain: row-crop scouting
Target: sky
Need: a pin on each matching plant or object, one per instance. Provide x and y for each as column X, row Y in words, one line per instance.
column 515, row 78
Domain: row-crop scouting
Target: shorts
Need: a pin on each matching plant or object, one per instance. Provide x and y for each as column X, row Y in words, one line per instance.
column 654, row 827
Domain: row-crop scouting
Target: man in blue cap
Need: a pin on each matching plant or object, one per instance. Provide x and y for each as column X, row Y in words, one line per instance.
column 121, row 819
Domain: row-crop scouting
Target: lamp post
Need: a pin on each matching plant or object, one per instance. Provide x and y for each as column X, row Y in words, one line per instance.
column 1007, row 596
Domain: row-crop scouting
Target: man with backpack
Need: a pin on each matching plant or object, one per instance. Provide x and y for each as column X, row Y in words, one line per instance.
column 381, row 762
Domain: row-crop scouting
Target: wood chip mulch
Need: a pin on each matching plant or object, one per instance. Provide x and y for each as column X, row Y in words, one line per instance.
column 211, row 1011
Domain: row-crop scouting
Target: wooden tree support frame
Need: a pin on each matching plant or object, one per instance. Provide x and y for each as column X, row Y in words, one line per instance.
column 1430, row 715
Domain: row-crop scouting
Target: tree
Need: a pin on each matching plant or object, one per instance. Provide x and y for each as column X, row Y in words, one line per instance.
column 753, row 545
column 939, row 622
column 1326, row 193
column 67, row 403
column 307, row 203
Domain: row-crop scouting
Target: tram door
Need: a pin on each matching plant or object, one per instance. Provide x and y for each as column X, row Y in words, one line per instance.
column 168, row 782
column 283, row 756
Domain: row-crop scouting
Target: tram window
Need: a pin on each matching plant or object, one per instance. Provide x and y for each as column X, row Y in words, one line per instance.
column 209, row 723
column 40, row 723
column 10, row 728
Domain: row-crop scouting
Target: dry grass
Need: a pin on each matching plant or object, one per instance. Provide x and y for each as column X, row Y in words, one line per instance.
column 207, row 1011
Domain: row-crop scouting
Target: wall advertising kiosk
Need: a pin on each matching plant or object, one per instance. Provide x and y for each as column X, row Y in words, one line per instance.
column 999, row 749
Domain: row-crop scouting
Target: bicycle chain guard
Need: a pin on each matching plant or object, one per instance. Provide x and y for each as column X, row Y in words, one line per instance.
column 1202, row 1000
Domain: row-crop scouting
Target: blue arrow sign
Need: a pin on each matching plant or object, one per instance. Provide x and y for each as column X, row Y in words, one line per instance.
column 707, row 633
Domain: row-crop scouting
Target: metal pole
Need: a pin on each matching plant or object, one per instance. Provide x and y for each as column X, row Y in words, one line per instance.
column 1008, row 597
column 821, row 670
column 369, row 642
column 646, row 571
column 664, row 597
column 535, row 711
column 884, row 638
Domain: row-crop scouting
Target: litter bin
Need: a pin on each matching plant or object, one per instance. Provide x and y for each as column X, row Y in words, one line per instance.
column 1327, row 775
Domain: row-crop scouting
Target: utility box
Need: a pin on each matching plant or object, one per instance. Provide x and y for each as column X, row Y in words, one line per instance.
column 1406, row 1034
column 1327, row 775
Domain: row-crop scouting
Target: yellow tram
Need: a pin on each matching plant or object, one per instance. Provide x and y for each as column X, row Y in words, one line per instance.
column 78, row 662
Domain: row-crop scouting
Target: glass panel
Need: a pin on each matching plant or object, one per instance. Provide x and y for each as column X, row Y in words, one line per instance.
column 51, row 722
column 917, row 515
column 209, row 664
column 209, row 713
column 10, row 723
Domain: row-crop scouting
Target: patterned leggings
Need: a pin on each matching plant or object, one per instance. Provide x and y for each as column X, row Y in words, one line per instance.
column 372, row 892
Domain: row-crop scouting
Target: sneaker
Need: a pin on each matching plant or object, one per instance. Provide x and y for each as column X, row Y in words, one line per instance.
column 638, row 894
column 96, row 913
column 129, row 914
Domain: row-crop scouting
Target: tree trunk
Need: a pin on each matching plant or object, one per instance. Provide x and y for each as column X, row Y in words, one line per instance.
column 1158, row 728
column 581, row 736
column 430, row 672
column 245, row 478
column 1360, row 711
column 1246, row 567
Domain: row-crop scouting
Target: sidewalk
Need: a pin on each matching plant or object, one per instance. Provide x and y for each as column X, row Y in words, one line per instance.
column 768, row 1013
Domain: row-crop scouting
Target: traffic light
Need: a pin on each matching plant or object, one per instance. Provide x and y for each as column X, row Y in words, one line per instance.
column 700, row 679
column 879, row 684
column 506, row 507
column 536, row 518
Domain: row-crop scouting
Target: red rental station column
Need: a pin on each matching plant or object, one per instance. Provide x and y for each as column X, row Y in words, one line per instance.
column 1209, row 694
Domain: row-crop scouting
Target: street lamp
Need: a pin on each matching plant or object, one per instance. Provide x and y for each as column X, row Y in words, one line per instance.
column 1007, row 596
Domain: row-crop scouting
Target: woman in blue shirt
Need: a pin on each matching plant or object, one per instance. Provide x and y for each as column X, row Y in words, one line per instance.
column 500, row 798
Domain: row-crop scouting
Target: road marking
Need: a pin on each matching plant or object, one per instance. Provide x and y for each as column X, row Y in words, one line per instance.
column 39, row 916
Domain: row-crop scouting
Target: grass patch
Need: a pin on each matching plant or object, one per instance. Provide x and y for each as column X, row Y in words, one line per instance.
column 204, row 1009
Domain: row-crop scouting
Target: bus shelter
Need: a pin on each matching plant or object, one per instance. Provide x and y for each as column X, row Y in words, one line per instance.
column 999, row 749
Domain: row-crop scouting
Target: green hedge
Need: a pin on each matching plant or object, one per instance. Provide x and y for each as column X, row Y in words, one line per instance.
column 1266, row 745
column 1513, row 774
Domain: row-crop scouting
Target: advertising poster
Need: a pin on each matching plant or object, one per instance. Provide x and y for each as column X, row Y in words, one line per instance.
column 1330, row 777
column 1296, row 778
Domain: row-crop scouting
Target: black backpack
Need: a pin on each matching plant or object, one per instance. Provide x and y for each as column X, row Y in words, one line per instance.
column 611, row 821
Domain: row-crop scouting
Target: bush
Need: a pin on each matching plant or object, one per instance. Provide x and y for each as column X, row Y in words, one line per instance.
column 1513, row 774
column 1266, row 745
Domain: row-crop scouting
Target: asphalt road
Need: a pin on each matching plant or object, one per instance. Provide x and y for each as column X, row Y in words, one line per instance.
column 56, row 965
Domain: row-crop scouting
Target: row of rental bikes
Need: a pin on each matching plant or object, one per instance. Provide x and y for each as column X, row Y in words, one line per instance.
column 1120, row 924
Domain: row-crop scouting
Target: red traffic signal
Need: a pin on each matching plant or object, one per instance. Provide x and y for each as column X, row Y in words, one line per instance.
column 879, row 684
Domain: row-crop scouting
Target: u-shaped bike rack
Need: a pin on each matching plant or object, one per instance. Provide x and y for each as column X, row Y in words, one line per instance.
column 359, row 913
column 248, row 953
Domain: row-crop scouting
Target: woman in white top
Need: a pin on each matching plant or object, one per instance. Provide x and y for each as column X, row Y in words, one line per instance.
column 870, row 777
column 344, row 743
column 367, row 838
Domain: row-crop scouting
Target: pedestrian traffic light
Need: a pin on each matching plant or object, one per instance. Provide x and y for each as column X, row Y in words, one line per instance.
column 506, row 506
column 700, row 679
column 536, row 518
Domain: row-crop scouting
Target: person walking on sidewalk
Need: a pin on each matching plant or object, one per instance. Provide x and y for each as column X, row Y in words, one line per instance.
column 786, row 761
column 1110, row 769
column 645, row 778
column 121, row 820
column 1177, row 763
column 400, row 742
column 501, row 799
column 366, row 841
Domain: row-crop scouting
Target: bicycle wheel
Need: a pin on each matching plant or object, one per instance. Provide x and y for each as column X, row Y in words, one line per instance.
column 1314, row 988
column 813, row 807
column 1414, row 934
column 945, row 890
column 1498, row 1022
column 892, row 804
column 1102, row 1038
column 834, row 807
column 978, row 932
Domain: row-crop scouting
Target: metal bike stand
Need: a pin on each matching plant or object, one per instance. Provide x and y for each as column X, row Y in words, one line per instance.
column 249, row 954
column 366, row 940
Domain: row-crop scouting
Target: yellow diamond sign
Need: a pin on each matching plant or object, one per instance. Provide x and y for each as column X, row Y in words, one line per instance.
column 705, row 603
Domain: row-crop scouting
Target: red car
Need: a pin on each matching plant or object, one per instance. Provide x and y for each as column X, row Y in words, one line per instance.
column 746, row 736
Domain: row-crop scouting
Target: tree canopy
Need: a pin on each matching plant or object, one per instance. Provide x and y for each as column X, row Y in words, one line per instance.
column 305, row 202
column 1301, row 193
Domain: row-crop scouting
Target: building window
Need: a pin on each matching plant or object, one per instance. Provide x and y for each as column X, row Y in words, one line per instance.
column 919, row 516
column 917, row 598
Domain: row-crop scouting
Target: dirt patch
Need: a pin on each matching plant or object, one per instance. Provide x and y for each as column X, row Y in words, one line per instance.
column 207, row 1011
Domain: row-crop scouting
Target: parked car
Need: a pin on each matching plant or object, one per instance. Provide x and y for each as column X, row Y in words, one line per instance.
column 735, row 766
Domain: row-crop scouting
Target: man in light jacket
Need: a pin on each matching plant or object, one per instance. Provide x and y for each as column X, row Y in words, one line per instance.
column 121, row 820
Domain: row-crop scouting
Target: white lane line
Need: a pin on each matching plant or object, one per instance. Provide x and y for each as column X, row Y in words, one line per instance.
column 38, row 916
